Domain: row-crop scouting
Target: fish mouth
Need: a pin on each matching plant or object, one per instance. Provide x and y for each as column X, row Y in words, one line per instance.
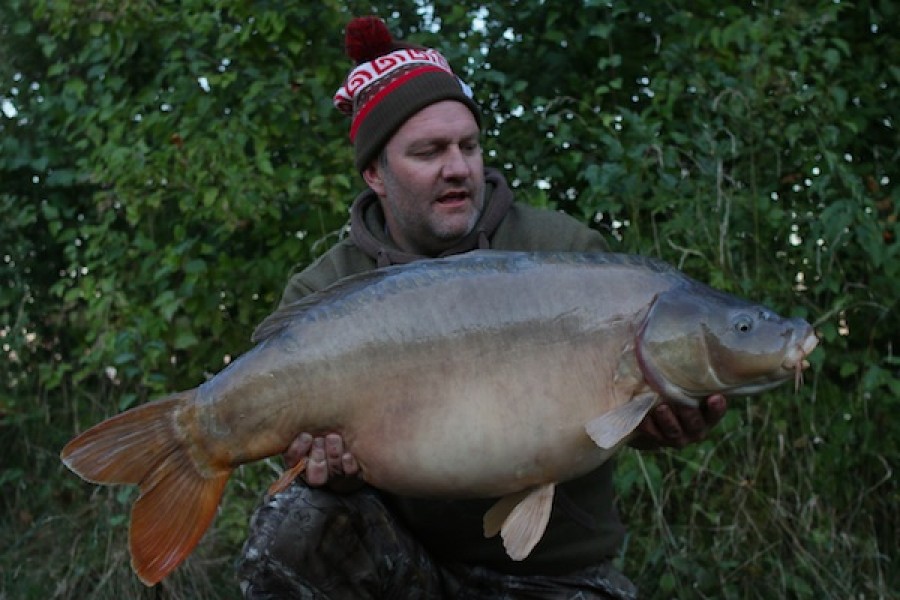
column 795, row 358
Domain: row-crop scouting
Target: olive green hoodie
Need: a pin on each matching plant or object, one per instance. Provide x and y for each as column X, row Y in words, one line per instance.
column 584, row 528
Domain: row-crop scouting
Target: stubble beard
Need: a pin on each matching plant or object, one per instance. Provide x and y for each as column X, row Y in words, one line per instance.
column 430, row 233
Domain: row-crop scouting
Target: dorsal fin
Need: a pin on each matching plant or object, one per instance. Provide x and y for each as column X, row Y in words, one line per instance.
column 284, row 316
column 347, row 292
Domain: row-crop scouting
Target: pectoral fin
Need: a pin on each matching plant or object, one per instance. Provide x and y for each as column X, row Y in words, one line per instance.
column 521, row 519
column 612, row 428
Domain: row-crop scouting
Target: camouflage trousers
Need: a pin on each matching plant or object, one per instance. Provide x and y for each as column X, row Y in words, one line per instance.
column 310, row 544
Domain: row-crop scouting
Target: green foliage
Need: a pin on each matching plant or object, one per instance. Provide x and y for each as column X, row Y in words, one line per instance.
column 164, row 166
column 186, row 135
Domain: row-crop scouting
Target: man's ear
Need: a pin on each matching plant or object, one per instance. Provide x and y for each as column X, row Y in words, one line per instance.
column 372, row 175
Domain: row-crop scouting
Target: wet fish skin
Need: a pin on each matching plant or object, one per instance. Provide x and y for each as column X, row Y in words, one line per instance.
column 749, row 348
column 481, row 375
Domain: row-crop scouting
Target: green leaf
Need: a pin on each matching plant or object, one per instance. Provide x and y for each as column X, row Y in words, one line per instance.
column 75, row 87
column 195, row 266
column 840, row 96
column 264, row 164
column 848, row 368
column 184, row 339
column 22, row 28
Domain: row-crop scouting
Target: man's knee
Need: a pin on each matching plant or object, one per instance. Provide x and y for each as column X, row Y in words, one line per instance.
column 309, row 541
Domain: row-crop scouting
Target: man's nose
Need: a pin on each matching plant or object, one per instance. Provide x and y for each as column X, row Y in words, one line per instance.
column 455, row 164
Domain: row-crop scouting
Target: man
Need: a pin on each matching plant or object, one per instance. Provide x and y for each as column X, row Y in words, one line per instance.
column 415, row 131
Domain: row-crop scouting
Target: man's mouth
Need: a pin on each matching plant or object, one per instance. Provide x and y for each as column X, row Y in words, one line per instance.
column 454, row 197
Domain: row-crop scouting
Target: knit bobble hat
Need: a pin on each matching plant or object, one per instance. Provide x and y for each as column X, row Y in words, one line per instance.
column 392, row 81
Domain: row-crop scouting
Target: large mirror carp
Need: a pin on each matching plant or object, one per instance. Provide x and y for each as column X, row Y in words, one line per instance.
column 488, row 374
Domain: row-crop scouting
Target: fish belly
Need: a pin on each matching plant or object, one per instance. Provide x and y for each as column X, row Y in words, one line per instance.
column 479, row 416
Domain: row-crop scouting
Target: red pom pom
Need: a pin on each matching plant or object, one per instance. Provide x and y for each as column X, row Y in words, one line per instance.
column 367, row 38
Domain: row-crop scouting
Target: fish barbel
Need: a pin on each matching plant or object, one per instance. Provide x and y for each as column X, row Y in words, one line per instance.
column 488, row 374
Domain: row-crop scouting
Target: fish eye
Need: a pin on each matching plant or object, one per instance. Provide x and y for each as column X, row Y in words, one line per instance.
column 743, row 324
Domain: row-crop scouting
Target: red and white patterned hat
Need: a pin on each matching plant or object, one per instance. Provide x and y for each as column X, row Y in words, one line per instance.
column 393, row 80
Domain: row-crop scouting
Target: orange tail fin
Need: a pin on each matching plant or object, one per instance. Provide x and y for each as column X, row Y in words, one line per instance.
column 144, row 446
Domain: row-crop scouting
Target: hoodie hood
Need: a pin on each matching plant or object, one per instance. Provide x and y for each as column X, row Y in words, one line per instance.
column 369, row 233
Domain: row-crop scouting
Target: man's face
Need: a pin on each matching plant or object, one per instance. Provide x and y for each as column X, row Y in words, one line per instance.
column 432, row 184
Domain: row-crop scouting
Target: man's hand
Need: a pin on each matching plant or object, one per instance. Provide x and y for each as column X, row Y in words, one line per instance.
column 675, row 425
column 327, row 459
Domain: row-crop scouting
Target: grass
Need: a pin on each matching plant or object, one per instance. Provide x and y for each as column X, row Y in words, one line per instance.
column 757, row 512
column 771, row 506
column 63, row 538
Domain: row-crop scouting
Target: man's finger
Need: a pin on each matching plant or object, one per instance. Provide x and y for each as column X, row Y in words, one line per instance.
column 334, row 451
column 648, row 427
column 667, row 422
column 691, row 421
column 298, row 449
column 714, row 409
column 317, row 468
column 349, row 464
